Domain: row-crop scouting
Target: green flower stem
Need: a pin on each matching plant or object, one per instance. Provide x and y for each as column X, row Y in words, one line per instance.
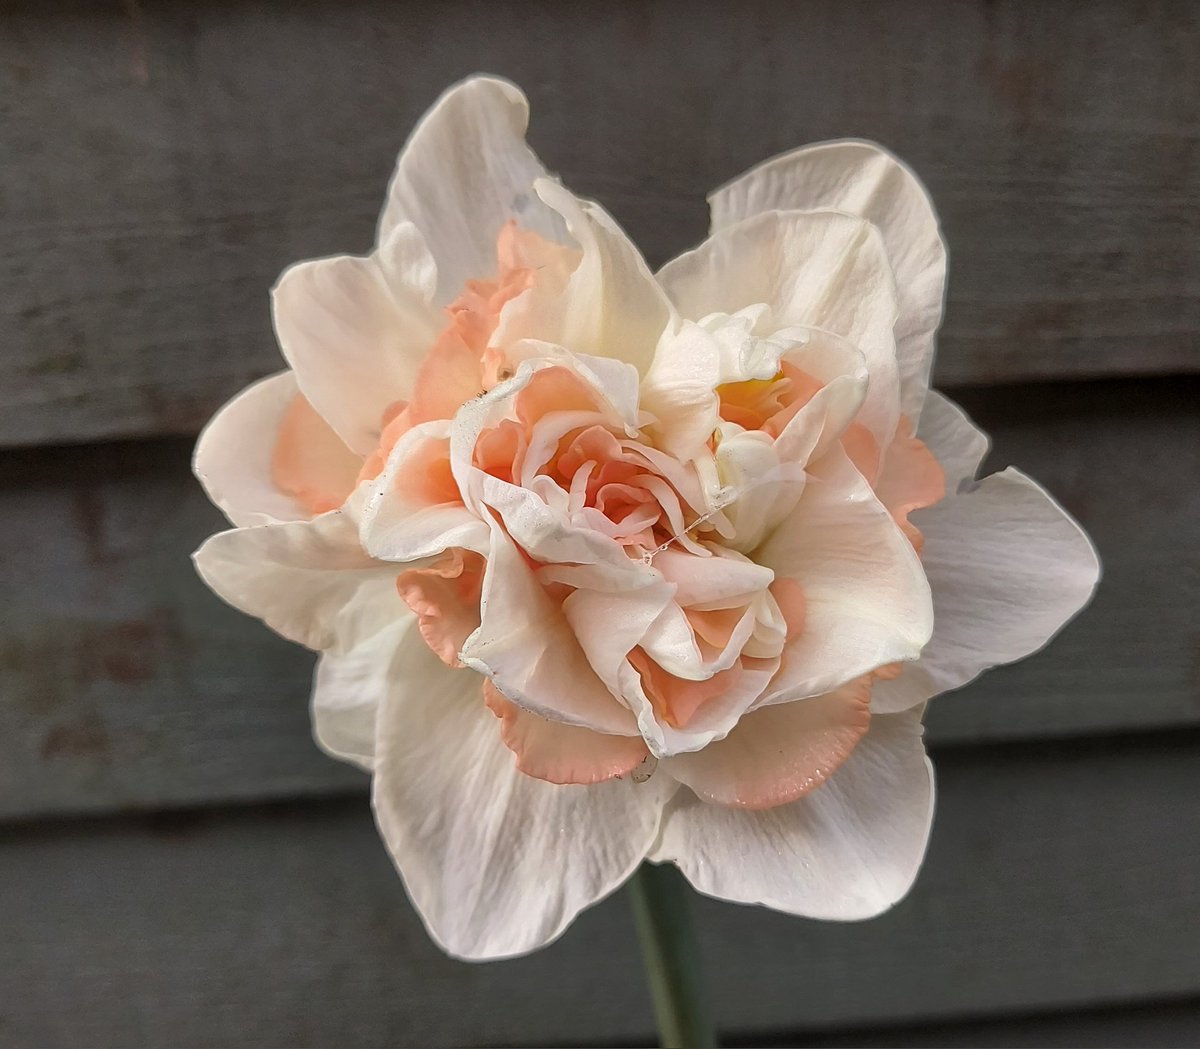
column 672, row 957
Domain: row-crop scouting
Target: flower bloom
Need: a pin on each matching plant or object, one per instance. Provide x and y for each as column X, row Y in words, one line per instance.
column 606, row 566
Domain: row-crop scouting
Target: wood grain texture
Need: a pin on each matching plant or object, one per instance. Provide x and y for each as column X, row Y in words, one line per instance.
column 1053, row 881
column 124, row 683
column 163, row 163
column 1165, row 1024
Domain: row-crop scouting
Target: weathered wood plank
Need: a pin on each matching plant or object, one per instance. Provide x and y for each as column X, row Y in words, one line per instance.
column 1165, row 1024
column 125, row 683
column 162, row 166
column 1053, row 881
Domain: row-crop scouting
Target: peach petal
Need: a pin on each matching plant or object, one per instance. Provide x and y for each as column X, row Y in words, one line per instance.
column 715, row 626
column 397, row 421
column 445, row 597
column 553, row 390
column 428, row 478
column 451, row 376
column 461, row 364
column 675, row 699
column 561, row 753
column 310, row 462
column 911, row 479
column 789, row 596
column 500, row 450
column 863, row 450
column 779, row 753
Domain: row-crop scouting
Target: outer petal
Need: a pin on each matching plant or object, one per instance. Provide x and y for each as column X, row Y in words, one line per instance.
column 819, row 269
column 356, row 330
column 611, row 306
column 1008, row 568
column 311, row 463
column 867, row 602
column 349, row 688
column 234, row 452
column 307, row 580
column 497, row 863
column 863, row 179
column 849, row 850
column 958, row 443
column 464, row 172
column 779, row 753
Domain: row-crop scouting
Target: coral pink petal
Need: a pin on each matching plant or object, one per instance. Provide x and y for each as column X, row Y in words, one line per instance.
column 561, row 753
column 310, row 462
column 779, row 753
column 500, row 450
column 445, row 598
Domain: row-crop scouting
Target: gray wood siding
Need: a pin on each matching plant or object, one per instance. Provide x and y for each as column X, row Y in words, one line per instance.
column 1051, row 883
column 179, row 865
column 198, row 149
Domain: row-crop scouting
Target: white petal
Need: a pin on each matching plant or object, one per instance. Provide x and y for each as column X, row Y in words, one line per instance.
column 765, row 478
column 1008, row 568
column 233, row 455
column 310, row 581
column 463, row 174
column 849, row 850
column 497, row 863
column 611, row 305
column 867, row 602
column 398, row 525
column 958, row 443
column 724, row 580
column 862, row 179
column 778, row 753
column 349, row 688
column 817, row 269
column 355, row 330
column 526, row 645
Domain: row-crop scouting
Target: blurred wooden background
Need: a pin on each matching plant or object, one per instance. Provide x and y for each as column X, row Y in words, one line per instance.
column 180, row 866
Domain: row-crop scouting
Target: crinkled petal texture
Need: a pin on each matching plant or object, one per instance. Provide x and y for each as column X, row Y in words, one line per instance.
column 863, row 179
column 464, row 173
column 848, row 850
column 1008, row 567
column 604, row 566
column 310, row 581
column 497, row 862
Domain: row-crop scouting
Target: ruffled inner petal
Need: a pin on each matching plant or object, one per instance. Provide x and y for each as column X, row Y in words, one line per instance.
column 778, row 754
column 445, row 597
column 560, row 753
